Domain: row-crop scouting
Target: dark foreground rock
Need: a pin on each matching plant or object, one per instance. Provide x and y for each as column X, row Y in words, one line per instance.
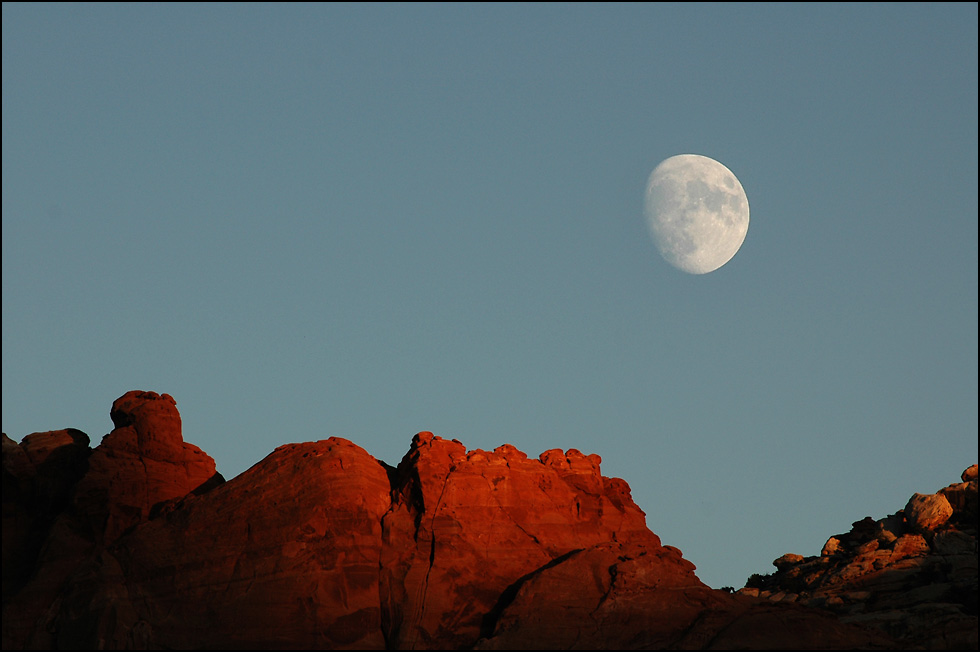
column 911, row 575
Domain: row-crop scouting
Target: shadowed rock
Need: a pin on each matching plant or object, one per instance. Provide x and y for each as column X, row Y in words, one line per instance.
column 912, row 575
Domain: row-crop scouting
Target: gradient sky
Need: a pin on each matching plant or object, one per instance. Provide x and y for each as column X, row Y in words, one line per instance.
column 364, row 221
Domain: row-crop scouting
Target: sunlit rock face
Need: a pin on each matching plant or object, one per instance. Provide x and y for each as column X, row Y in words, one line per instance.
column 285, row 555
column 139, row 544
column 142, row 463
column 912, row 574
column 464, row 526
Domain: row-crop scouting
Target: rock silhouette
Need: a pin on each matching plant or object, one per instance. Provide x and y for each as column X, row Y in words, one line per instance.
column 140, row 544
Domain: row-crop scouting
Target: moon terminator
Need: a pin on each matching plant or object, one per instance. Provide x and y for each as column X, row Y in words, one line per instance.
column 697, row 212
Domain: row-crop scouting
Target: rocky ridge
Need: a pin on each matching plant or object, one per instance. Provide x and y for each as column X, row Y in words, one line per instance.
column 912, row 574
column 140, row 544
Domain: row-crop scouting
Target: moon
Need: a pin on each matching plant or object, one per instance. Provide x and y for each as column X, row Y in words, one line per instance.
column 697, row 212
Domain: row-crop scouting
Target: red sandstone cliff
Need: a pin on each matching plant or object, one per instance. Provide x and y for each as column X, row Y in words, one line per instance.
column 139, row 544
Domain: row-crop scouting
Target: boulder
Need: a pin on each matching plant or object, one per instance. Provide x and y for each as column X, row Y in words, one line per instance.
column 970, row 474
column 787, row 561
column 926, row 512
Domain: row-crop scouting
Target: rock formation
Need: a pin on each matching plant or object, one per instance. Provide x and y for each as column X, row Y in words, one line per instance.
column 68, row 503
column 912, row 574
column 139, row 544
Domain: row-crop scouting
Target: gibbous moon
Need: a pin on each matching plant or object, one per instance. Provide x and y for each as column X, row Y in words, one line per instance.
column 697, row 212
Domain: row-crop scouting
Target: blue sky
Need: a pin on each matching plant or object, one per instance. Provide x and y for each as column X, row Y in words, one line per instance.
column 364, row 221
